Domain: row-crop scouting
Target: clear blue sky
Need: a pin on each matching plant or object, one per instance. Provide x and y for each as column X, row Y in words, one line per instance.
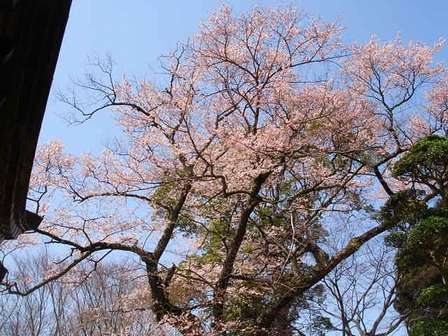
column 136, row 32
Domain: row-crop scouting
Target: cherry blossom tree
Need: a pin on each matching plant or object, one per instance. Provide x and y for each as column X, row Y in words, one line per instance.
column 235, row 169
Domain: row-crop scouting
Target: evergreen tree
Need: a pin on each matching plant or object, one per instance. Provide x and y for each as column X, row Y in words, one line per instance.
column 419, row 229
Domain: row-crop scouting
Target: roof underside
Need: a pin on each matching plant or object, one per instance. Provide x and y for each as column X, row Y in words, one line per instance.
column 31, row 33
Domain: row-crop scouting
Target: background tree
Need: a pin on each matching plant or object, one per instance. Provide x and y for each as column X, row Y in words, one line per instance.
column 103, row 300
column 420, row 232
column 265, row 134
column 361, row 291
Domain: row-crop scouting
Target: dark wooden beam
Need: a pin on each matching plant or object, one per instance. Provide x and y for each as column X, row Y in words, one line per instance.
column 31, row 33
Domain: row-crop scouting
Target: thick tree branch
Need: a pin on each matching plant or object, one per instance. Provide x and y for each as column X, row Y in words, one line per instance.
column 317, row 274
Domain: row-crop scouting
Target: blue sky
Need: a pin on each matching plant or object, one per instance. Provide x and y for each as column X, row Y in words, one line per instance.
column 136, row 32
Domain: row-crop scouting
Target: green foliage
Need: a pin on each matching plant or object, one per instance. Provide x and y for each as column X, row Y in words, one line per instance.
column 434, row 295
column 213, row 245
column 403, row 209
column 421, row 235
column 431, row 234
column 267, row 217
column 186, row 225
column 245, row 308
column 396, row 239
column 426, row 161
column 408, row 257
column 164, row 195
column 430, row 327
